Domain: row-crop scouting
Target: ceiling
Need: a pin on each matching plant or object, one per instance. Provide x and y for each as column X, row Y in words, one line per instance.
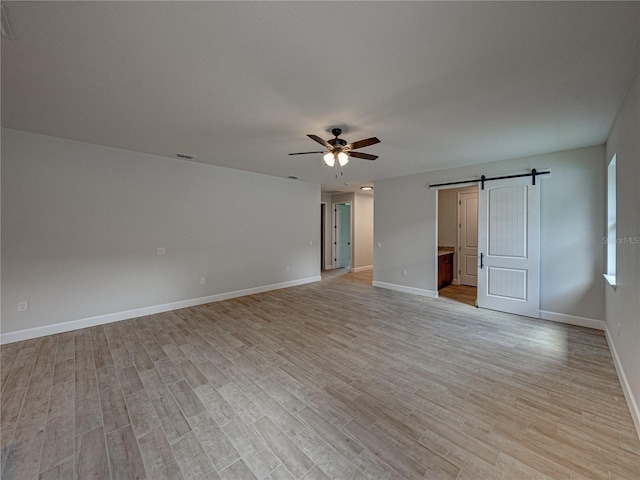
column 241, row 84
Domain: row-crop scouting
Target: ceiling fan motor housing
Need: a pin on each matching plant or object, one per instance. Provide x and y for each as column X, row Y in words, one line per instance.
column 337, row 142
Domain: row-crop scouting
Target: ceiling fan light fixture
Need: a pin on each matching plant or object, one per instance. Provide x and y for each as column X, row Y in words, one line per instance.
column 338, row 150
column 329, row 159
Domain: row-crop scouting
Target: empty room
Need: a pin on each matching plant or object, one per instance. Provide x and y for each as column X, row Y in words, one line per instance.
column 320, row 240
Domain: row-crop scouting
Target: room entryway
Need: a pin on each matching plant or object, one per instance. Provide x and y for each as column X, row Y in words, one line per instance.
column 458, row 244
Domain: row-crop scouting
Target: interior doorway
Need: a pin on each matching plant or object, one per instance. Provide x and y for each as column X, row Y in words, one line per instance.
column 342, row 235
column 457, row 236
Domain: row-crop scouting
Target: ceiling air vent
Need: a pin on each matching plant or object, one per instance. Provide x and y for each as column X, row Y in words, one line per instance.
column 186, row 156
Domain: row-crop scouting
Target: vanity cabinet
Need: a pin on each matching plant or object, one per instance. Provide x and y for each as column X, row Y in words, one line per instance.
column 445, row 269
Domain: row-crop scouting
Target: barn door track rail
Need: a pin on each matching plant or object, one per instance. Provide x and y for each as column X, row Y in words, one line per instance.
column 533, row 174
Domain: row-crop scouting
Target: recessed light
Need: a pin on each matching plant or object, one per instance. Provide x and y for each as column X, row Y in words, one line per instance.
column 185, row 156
column 366, row 188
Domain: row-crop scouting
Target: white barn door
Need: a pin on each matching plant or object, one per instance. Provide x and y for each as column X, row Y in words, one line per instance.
column 509, row 246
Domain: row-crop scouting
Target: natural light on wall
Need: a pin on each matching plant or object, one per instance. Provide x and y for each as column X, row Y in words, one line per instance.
column 611, row 222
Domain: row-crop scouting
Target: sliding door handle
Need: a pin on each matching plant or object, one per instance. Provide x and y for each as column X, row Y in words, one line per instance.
column 481, row 260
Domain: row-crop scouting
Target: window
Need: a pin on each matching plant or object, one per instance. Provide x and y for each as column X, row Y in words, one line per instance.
column 611, row 239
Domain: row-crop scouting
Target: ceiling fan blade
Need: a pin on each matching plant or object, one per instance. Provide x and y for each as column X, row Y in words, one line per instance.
column 364, row 156
column 320, row 141
column 304, row 153
column 363, row 143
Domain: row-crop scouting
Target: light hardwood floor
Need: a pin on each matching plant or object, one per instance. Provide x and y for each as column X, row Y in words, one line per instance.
column 335, row 379
column 460, row 293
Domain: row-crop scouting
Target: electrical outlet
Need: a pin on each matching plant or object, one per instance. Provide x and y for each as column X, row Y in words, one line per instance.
column 23, row 306
column 161, row 251
column 404, row 272
column 203, row 280
column 287, row 268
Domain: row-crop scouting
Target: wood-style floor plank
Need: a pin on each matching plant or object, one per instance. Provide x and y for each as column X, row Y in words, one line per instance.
column 124, row 455
column 332, row 380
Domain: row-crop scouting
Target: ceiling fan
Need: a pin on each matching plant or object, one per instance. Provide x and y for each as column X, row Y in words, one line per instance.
column 339, row 150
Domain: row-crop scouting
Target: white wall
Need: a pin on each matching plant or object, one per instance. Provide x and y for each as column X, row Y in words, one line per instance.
column 572, row 209
column 623, row 303
column 448, row 217
column 81, row 224
column 363, row 227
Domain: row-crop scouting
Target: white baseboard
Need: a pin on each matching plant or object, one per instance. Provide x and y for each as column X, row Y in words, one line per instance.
column 361, row 269
column 35, row 332
column 402, row 288
column 626, row 388
column 455, row 281
column 572, row 320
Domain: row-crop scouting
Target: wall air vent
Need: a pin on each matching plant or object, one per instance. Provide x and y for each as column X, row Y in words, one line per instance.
column 186, row 156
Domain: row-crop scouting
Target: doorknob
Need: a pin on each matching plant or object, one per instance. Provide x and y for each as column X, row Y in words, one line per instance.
column 481, row 260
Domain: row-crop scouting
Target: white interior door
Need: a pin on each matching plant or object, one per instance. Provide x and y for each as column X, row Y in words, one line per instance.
column 468, row 238
column 509, row 246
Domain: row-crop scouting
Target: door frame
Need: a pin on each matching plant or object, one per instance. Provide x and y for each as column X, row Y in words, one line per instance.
column 437, row 226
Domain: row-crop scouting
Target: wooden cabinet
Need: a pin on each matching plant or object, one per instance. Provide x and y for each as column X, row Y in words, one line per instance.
column 445, row 269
